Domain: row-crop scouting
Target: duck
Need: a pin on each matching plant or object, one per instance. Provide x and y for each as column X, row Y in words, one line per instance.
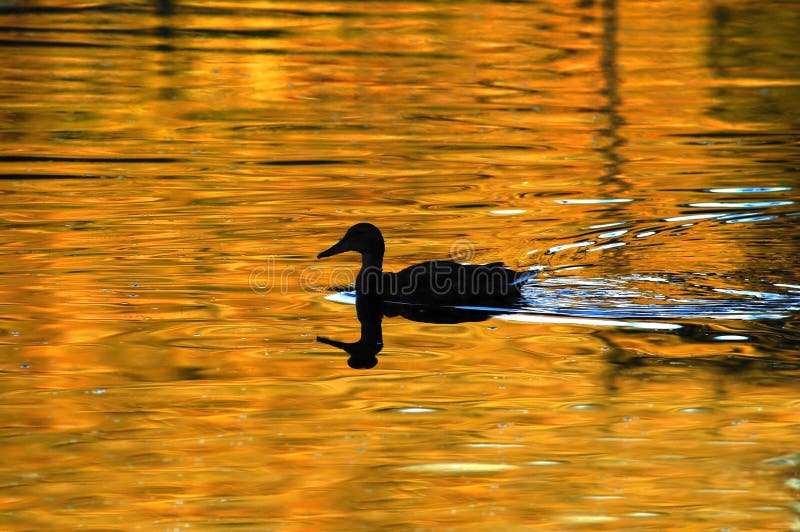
column 437, row 282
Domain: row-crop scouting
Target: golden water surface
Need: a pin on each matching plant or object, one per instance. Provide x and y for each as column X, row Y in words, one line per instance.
column 169, row 171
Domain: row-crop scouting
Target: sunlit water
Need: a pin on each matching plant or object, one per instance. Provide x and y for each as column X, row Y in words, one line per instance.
column 169, row 172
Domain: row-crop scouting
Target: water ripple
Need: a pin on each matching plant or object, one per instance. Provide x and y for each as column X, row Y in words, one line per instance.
column 746, row 190
column 738, row 205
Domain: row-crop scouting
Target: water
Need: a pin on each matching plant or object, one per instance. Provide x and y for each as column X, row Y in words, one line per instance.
column 169, row 172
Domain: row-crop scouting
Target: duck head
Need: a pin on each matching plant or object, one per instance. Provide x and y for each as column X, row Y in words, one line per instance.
column 362, row 353
column 364, row 238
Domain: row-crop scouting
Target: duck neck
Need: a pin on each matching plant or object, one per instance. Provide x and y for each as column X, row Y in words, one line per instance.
column 372, row 260
column 370, row 277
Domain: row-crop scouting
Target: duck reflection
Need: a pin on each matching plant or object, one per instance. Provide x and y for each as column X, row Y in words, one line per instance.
column 370, row 311
column 363, row 353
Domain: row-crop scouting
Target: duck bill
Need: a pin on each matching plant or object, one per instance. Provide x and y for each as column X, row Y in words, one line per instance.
column 335, row 249
column 335, row 343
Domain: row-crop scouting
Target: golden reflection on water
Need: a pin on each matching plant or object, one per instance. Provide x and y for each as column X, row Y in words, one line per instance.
column 151, row 163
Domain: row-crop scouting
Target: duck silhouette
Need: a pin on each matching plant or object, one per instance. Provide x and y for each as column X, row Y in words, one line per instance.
column 437, row 283
column 364, row 352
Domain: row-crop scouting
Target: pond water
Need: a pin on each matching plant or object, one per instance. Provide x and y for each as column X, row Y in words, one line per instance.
column 169, row 172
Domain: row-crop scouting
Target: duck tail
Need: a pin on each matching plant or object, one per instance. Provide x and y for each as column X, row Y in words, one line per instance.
column 523, row 277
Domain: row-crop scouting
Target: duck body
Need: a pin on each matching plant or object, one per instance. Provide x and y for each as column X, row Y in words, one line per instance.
column 438, row 282
column 443, row 282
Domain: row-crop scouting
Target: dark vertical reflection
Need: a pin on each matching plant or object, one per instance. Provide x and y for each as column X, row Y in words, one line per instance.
column 168, row 67
column 611, row 138
column 610, row 93
column 720, row 17
column 165, row 7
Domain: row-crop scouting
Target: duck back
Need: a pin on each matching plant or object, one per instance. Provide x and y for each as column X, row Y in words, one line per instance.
column 446, row 282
